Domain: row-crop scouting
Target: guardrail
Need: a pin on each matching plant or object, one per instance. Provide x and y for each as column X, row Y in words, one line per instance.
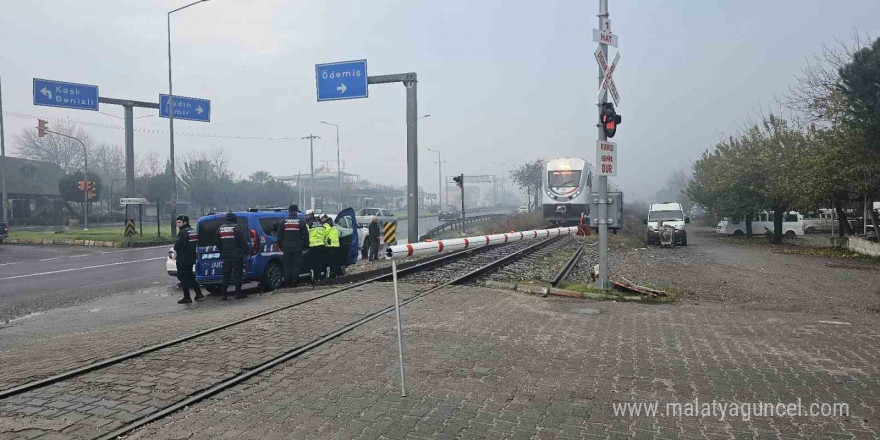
column 458, row 222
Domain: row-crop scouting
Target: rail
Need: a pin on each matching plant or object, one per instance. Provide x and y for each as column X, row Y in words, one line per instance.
column 458, row 222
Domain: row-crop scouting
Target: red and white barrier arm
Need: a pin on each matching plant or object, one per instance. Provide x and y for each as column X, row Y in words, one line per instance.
column 456, row 244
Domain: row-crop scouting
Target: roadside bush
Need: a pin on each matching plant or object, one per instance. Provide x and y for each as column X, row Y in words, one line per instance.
column 519, row 222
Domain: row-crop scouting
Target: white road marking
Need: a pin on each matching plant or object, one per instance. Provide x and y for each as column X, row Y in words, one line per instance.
column 78, row 255
column 834, row 322
column 80, row 268
column 50, row 259
column 136, row 249
column 9, row 264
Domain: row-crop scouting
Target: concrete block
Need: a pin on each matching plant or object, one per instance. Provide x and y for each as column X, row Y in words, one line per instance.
column 864, row 247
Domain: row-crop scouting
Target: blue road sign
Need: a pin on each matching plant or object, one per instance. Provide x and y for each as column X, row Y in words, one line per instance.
column 343, row 80
column 193, row 109
column 65, row 94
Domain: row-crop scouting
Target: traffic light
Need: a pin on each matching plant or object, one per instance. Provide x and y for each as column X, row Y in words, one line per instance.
column 609, row 120
column 41, row 127
column 459, row 180
column 92, row 190
column 81, row 185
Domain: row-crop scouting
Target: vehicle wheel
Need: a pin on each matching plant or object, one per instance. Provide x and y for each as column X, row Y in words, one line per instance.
column 684, row 241
column 649, row 241
column 213, row 288
column 790, row 234
column 737, row 233
column 810, row 230
column 273, row 278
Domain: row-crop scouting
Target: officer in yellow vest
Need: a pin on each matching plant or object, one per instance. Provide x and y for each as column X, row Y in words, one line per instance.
column 317, row 246
column 334, row 256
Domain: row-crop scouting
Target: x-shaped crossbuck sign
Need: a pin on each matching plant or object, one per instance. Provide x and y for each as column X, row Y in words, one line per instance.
column 607, row 79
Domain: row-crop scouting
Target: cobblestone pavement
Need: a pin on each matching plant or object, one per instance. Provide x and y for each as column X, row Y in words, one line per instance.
column 97, row 402
column 491, row 364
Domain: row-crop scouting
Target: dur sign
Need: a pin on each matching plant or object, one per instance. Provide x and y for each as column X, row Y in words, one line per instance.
column 606, row 158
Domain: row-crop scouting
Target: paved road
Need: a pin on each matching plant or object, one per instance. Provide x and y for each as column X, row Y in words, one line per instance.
column 40, row 278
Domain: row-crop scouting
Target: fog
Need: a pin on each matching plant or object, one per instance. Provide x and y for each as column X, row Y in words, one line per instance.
column 502, row 81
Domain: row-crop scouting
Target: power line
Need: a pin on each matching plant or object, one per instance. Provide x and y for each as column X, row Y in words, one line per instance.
column 150, row 130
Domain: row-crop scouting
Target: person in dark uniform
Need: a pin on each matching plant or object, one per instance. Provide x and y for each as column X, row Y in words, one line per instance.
column 232, row 243
column 292, row 236
column 375, row 233
column 187, row 241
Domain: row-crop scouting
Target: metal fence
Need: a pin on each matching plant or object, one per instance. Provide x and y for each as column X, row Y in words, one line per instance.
column 454, row 224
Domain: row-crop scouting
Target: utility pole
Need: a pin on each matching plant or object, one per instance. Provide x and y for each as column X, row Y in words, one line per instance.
column 602, row 282
column 338, row 167
column 502, row 178
column 3, row 156
column 311, row 139
column 42, row 127
column 439, row 175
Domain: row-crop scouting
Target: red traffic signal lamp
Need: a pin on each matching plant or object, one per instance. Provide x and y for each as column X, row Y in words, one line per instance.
column 42, row 126
column 609, row 120
column 459, row 180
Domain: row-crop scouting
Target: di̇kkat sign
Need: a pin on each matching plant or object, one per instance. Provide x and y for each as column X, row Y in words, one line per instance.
column 606, row 158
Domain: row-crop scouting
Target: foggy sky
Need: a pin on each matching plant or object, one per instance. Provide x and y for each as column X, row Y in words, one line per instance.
column 503, row 80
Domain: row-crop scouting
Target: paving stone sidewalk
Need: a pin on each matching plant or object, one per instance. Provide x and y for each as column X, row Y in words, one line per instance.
column 97, row 402
column 491, row 364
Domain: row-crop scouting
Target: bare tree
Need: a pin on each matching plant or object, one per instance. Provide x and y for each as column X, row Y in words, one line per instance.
column 64, row 152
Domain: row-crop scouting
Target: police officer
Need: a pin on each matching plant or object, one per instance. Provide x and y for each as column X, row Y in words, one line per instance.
column 317, row 254
column 334, row 256
column 292, row 239
column 232, row 243
column 187, row 241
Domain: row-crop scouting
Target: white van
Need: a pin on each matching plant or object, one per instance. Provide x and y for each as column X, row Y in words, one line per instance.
column 669, row 214
column 762, row 223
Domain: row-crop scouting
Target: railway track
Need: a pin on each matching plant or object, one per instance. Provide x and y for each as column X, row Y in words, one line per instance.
column 226, row 344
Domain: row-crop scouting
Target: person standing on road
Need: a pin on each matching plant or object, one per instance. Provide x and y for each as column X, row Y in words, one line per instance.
column 374, row 238
column 232, row 244
column 317, row 248
column 334, row 257
column 187, row 241
column 292, row 239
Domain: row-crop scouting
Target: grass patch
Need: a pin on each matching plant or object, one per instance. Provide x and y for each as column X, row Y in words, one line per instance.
column 843, row 254
column 589, row 291
column 97, row 234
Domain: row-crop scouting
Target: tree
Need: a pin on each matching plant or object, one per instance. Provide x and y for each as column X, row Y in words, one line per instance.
column 529, row 178
column 68, row 186
column 860, row 86
column 62, row 151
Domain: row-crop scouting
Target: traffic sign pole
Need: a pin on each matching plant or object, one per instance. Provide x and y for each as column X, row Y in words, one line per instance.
column 602, row 281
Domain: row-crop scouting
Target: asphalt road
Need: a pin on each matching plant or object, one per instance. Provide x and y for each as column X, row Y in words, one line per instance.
column 39, row 278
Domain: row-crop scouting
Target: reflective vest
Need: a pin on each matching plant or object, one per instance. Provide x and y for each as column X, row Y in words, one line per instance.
column 332, row 236
column 316, row 235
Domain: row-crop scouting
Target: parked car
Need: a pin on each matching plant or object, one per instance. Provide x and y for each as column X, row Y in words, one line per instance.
column 365, row 215
column 523, row 209
column 4, row 232
column 762, row 223
column 263, row 259
column 448, row 215
column 667, row 214
column 171, row 262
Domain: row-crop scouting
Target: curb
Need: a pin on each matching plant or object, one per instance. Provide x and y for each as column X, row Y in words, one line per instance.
column 543, row 291
column 88, row 243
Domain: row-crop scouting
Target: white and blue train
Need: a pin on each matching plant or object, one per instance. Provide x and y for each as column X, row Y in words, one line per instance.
column 567, row 186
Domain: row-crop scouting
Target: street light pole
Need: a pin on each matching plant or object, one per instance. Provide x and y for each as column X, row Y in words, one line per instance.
column 338, row 167
column 171, row 125
column 439, row 176
column 311, row 139
column 3, row 156
column 502, row 179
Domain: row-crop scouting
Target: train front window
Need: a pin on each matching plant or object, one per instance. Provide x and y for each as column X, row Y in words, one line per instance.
column 563, row 178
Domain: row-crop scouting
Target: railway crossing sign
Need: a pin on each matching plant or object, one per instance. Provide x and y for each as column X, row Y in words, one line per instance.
column 606, row 158
column 607, row 80
column 133, row 201
column 342, row 80
column 605, row 37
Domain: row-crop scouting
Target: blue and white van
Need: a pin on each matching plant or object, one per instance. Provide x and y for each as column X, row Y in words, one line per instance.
column 263, row 257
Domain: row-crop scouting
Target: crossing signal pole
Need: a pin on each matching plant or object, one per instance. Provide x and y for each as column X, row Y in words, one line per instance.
column 602, row 281
column 42, row 131
column 459, row 181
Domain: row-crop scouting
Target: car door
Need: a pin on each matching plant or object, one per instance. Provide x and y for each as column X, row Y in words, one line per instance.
column 348, row 235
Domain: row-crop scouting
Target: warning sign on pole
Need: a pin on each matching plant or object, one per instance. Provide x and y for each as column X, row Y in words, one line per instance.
column 606, row 158
column 389, row 233
column 129, row 227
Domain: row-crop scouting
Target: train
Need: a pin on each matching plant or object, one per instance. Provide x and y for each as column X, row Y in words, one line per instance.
column 567, row 186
